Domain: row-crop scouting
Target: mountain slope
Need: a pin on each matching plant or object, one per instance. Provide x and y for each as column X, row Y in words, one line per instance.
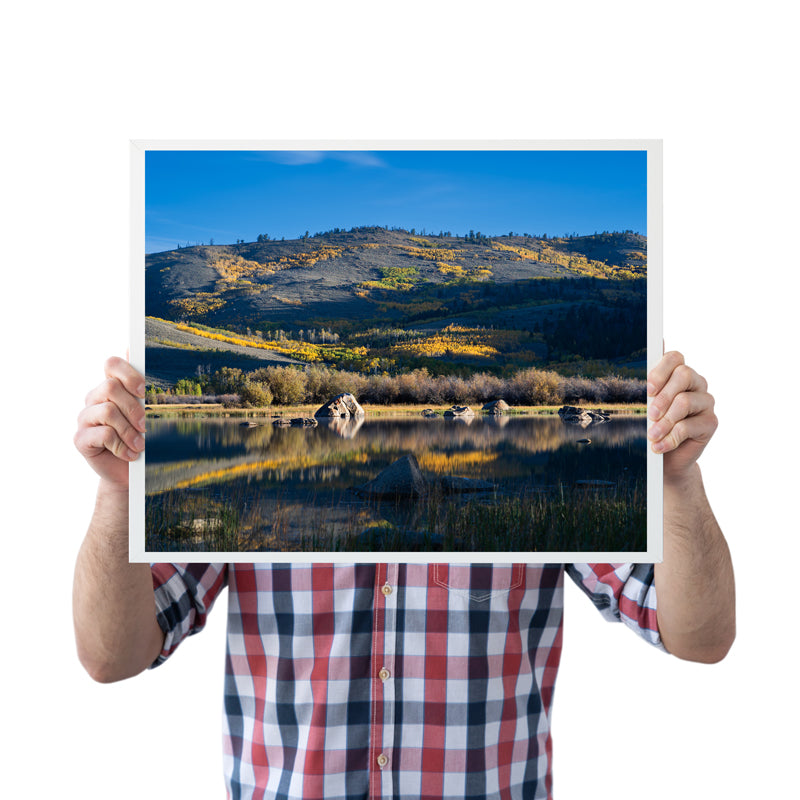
column 390, row 300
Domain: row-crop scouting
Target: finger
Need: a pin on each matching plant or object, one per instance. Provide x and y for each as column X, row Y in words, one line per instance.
column 685, row 404
column 659, row 375
column 682, row 379
column 112, row 391
column 92, row 442
column 698, row 429
column 108, row 414
column 130, row 378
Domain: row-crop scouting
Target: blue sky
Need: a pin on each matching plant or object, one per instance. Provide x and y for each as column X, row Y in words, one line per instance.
column 193, row 196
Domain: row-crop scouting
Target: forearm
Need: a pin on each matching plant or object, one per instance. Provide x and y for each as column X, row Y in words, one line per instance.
column 113, row 603
column 694, row 583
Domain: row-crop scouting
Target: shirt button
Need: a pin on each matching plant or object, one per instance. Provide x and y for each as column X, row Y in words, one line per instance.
column 386, row 589
column 384, row 674
column 382, row 760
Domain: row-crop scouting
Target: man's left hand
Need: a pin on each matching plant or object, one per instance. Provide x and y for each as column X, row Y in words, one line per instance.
column 681, row 413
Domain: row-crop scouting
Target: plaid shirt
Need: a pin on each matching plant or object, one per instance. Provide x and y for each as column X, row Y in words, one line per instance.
column 392, row 680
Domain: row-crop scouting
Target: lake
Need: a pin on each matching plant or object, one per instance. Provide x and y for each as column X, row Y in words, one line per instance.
column 216, row 484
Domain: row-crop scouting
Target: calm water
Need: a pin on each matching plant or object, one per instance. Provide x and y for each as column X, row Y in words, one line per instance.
column 285, row 482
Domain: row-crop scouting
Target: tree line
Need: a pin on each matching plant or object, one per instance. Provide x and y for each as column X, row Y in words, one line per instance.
column 288, row 386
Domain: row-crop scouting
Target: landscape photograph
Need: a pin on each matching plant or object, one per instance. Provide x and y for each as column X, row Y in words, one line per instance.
column 395, row 351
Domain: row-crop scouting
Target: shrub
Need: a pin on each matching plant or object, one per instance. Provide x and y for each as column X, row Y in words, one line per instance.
column 622, row 390
column 287, row 384
column 380, row 389
column 485, row 387
column 536, row 388
column 576, row 388
column 227, row 380
column 255, row 395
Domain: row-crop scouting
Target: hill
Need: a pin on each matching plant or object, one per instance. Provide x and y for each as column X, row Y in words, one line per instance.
column 373, row 298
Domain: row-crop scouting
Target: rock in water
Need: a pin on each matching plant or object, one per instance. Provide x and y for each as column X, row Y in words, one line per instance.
column 402, row 478
column 343, row 405
column 459, row 411
column 496, row 407
column 581, row 416
column 303, row 422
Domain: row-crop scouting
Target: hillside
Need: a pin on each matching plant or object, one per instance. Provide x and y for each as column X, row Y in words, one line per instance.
column 172, row 353
column 390, row 299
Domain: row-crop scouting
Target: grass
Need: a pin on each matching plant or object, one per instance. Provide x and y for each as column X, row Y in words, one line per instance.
column 558, row 519
column 562, row 519
column 184, row 522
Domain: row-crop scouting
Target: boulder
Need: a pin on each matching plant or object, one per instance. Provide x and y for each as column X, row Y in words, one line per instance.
column 429, row 413
column 462, row 412
column 496, row 407
column 343, row 405
column 303, row 422
column 581, row 416
column 402, row 478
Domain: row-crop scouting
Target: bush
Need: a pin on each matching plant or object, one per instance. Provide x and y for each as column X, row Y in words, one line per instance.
column 381, row 389
column 255, row 395
column 287, row 384
column 533, row 387
column 622, row 390
column 577, row 388
column 227, row 380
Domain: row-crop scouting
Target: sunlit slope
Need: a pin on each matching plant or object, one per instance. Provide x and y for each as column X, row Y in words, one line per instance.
column 367, row 273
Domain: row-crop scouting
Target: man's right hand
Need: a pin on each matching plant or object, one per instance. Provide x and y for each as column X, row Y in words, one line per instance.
column 116, row 629
column 110, row 427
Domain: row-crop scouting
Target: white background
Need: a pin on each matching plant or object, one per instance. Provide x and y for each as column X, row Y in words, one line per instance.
column 715, row 81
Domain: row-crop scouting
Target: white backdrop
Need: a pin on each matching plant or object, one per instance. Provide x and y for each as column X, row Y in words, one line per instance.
column 715, row 83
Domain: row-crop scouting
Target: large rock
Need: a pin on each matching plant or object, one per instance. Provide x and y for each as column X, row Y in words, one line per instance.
column 496, row 407
column 462, row 412
column 343, row 405
column 402, row 478
column 581, row 416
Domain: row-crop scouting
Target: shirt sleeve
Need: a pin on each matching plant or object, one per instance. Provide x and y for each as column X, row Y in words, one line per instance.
column 184, row 595
column 622, row 593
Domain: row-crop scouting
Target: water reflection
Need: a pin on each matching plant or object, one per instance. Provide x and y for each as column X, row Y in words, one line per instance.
column 288, row 475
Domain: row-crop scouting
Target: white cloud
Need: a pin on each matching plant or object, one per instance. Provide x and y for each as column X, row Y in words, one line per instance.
column 300, row 158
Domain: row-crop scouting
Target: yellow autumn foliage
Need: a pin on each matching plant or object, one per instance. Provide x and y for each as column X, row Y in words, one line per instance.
column 450, row 463
column 301, row 350
column 199, row 304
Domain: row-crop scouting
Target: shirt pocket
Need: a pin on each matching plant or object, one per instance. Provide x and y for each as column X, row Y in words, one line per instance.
column 479, row 583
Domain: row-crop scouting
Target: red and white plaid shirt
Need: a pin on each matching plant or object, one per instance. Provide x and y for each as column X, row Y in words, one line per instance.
column 398, row 681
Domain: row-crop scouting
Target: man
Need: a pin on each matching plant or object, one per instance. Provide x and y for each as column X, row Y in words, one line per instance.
column 394, row 680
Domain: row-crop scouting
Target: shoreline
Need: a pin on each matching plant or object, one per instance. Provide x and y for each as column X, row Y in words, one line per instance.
column 307, row 410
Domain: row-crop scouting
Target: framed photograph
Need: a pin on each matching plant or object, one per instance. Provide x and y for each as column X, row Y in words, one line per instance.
column 396, row 351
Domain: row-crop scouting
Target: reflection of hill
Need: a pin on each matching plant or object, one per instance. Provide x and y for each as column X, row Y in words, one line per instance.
column 191, row 453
